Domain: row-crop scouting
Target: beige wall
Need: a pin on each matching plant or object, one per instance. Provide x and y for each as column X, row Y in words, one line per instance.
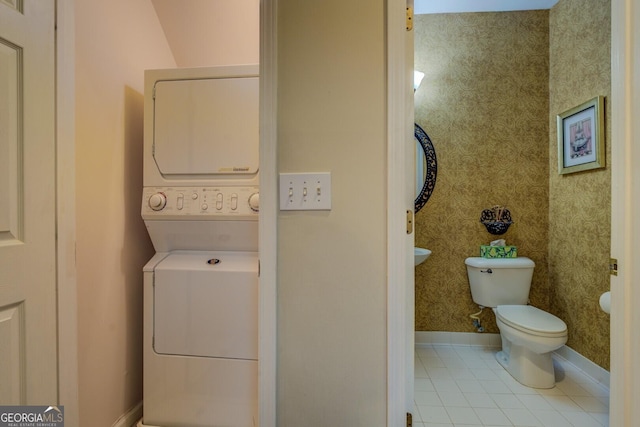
column 331, row 265
column 484, row 104
column 115, row 42
column 205, row 33
column 580, row 203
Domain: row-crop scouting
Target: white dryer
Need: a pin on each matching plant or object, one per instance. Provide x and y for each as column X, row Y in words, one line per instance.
column 200, row 205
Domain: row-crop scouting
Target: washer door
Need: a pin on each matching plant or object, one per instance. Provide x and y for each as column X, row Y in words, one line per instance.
column 207, row 308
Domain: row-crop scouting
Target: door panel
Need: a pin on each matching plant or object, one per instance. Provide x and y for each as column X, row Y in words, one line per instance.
column 28, row 327
column 10, row 143
column 11, row 353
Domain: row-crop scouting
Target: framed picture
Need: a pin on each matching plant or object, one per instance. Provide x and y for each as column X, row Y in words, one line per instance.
column 581, row 137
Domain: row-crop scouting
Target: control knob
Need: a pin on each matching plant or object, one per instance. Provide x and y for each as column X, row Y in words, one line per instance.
column 157, row 201
column 254, row 202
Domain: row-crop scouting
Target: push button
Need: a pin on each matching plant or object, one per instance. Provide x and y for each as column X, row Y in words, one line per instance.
column 219, row 200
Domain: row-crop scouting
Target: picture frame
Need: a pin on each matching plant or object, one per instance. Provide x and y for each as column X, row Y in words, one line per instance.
column 581, row 142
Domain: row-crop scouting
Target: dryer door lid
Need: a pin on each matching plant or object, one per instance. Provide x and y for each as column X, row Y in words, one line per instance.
column 206, row 126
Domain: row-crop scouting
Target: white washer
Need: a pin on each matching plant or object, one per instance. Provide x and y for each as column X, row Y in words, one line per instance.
column 200, row 205
column 201, row 347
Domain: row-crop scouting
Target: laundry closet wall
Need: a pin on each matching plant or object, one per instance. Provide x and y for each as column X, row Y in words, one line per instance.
column 332, row 310
column 115, row 42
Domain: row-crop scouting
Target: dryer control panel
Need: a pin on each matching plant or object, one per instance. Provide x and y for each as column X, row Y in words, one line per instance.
column 200, row 203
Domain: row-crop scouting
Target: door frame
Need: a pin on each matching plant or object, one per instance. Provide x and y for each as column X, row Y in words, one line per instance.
column 625, row 211
column 400, row 203
column 268, row 233
column 66, row 212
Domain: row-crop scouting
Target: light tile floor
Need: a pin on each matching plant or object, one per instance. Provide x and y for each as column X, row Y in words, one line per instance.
column 458, row 385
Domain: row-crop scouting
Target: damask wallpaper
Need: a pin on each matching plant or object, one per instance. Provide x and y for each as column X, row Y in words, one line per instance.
column 494, row 84
column 485, row 104
column 580, row 203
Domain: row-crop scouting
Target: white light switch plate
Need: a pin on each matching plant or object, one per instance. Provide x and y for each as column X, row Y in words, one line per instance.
column 305, row 191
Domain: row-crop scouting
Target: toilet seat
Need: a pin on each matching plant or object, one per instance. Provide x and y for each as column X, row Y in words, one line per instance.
column 531, row 320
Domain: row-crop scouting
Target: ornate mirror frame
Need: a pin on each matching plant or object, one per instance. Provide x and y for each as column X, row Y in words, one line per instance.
column 430, row 168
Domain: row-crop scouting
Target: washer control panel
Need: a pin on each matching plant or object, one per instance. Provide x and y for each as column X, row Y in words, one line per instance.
column 200, row 202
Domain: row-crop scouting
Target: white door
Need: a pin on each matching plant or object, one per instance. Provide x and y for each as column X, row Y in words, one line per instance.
column 28, row 329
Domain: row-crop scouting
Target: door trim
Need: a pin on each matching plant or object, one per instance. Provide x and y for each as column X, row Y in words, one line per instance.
column 66, row 212
column 625, row 209
column 268, row 234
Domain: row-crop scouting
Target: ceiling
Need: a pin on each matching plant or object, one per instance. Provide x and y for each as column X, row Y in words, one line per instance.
column 216, row 32
column 457, row 6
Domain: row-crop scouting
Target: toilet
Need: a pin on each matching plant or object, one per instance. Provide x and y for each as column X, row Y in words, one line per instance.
column 529, row 335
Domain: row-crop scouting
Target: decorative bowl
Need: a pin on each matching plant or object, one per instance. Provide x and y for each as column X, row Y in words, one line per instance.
column 496, row 226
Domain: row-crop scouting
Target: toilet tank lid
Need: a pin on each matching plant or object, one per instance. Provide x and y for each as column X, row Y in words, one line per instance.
column 479, row 262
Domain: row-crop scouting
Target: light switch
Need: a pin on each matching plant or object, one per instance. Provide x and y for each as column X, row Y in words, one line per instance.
column 305, row 191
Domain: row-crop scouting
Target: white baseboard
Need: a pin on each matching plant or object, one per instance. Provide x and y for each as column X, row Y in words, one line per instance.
column 423, row 338
column 595, row 371
column 130, row 418
column 458, row 338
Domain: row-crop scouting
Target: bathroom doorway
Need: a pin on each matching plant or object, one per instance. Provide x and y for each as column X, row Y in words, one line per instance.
column 621, row 207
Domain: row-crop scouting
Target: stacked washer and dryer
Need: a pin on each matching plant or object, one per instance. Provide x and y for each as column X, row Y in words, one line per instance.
column 200, row 206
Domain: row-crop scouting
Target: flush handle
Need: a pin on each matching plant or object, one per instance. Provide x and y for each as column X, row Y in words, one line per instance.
column 488, row 271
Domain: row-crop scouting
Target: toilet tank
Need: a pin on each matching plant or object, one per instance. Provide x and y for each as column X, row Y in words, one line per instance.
column 499, row 281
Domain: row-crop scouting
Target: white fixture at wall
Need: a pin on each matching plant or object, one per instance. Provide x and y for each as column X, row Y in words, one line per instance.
column 605, row 302
column 305, row 191
column 417, row 79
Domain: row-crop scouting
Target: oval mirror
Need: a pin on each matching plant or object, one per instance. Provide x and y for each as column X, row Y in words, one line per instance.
column 426, row 167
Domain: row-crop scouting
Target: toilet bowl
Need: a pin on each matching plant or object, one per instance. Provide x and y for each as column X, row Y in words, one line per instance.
column 529, row 336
